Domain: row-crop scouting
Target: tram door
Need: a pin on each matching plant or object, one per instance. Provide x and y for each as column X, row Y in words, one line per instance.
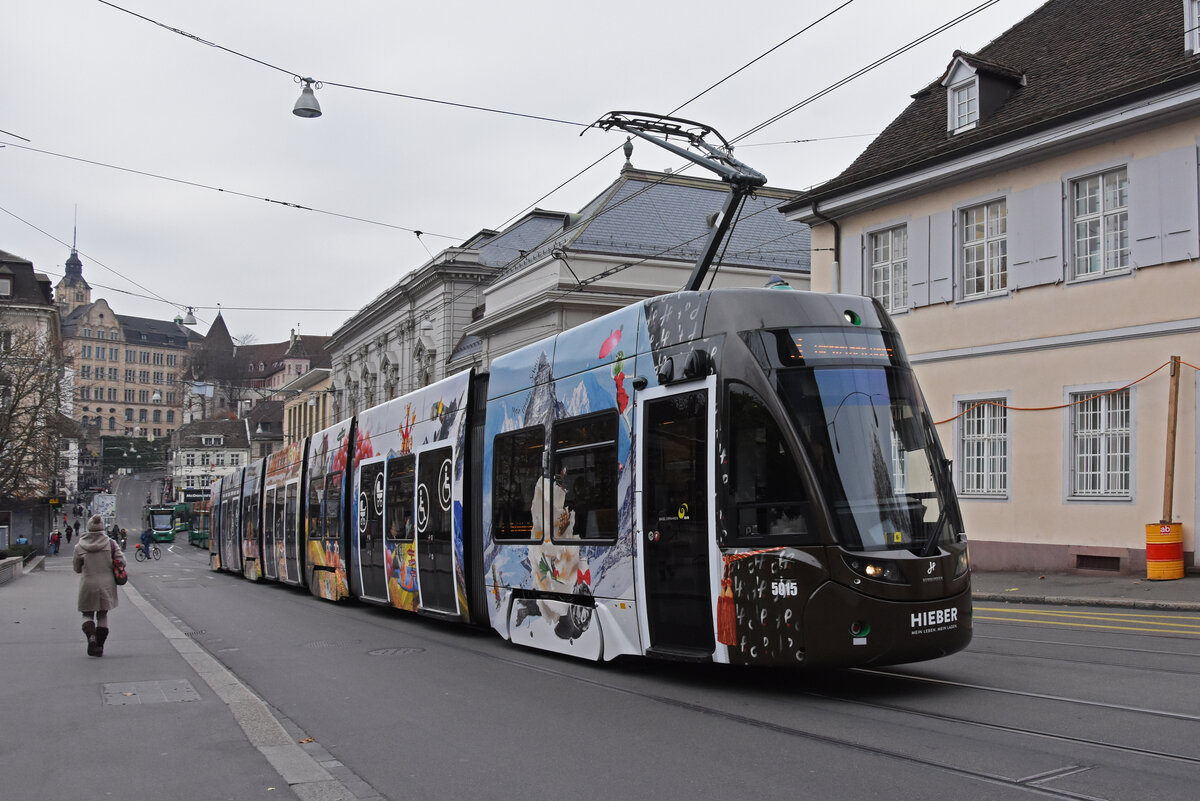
column 676, row 494
column 435, row 530
column 291, row 523
column 372, row 572
column 270, row 533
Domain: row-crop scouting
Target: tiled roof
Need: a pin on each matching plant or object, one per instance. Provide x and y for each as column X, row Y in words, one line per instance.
column 26, row 288
column 267, row 353
column 159, row 333
column 234, row 432
column 310, row 347
column 1078, row 58
column 521, row 237
column 649, row 214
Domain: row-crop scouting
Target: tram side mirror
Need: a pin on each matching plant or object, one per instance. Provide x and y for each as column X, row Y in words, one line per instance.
column 665, row 370
column 696, row 364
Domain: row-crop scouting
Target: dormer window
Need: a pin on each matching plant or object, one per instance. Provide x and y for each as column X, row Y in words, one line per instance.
column 1191, row 26
column 6, row 285
column 975, row 89
column 964, row 105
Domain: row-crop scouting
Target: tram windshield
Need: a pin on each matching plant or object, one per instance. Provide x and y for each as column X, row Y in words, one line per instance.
column 160, row 519
column 860, row 416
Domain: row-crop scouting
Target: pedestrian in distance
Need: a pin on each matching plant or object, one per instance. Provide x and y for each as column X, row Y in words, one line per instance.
column 94, row 556
column 55, row 539
column 74, row 530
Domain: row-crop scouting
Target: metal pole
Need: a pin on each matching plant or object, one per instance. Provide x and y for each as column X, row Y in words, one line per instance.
column 1172, row 419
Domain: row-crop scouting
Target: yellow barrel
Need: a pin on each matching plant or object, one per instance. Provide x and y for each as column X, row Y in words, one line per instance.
column 1164, row 551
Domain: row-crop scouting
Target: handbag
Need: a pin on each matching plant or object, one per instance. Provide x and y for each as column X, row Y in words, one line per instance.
column 118, row 565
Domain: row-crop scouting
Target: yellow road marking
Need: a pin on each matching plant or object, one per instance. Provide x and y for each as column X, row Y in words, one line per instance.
column 1076, row 624
column 1115, row 617
column 1068, row 612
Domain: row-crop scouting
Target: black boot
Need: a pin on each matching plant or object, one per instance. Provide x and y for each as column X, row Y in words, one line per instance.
column 101, row 636
column 89, row 630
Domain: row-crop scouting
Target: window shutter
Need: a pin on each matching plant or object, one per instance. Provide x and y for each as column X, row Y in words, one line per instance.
column 1145, row 241
column 1178, row 204
column 1035, row 236
column 852, row 265
column 918, row 262
column 941, row 261
column 1163, row 208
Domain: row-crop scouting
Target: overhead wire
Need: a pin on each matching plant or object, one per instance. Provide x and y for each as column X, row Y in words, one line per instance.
column 402, row 95
column 297, row 75
column 755, row 129
column 688, row 102
column 812, row 98
column 1009, row 407
column 222, row 190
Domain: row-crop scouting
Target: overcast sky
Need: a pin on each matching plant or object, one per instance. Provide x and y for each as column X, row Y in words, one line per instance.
column 111, row 99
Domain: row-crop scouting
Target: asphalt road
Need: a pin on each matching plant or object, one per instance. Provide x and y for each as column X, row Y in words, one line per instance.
column 1053, row 702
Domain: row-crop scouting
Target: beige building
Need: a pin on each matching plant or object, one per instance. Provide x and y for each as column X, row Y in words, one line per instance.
column 126, row 370
column 1031, row 222
column 307, row 405
column 203, row 451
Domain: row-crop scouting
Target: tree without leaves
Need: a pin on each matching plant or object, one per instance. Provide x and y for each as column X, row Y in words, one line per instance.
column 31, row 387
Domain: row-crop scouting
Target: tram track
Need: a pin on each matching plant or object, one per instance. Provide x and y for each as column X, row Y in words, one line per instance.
column 1088, row 662
column 1026, row 732
column 1037, row 785
column 1161, row 713
column 1034, row 784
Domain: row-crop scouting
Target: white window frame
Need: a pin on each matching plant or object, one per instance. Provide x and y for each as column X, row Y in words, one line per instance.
column 1191, row 26
column 995, row 478
column 1105, row 400
column 1110, row 216
column 6, row 286
column 990, row 250
column 963, row 105
column 888, row 268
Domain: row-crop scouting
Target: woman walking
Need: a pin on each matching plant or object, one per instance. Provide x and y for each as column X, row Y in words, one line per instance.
column 93, row 559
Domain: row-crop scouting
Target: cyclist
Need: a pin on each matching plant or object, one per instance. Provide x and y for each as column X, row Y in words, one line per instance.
column 147, row 541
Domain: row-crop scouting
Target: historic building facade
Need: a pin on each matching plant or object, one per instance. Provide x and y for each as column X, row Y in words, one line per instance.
column 1031, row 223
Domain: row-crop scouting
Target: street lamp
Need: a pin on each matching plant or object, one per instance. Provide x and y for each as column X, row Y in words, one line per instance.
column 307, row 105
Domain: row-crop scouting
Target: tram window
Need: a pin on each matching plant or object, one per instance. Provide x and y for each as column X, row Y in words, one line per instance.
column 516, row 471
column 767, row 489
column 401, row 485
column 584, row 490
column 333, row 500
column 316, row 487
column 287, row 515
column 250, row 518
column 270, row 515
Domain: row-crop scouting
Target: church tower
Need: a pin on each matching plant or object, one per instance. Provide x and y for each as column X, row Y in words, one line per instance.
column 72, row 291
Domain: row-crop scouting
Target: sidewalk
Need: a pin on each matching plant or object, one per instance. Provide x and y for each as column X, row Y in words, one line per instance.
column 156, row 717
column 1088, row 590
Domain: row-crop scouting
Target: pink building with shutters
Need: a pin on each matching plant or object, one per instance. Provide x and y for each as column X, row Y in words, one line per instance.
column 1032, row 223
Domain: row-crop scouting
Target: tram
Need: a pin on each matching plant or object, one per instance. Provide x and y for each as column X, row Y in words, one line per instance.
column 748, row 476
column 160, row 520
column 745, row 476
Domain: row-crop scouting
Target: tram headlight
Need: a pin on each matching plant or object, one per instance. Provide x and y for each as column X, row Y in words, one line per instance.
column 877, row 569
column 963, row 564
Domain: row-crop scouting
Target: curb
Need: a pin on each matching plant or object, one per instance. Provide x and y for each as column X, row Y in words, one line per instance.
column 1058, row 600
